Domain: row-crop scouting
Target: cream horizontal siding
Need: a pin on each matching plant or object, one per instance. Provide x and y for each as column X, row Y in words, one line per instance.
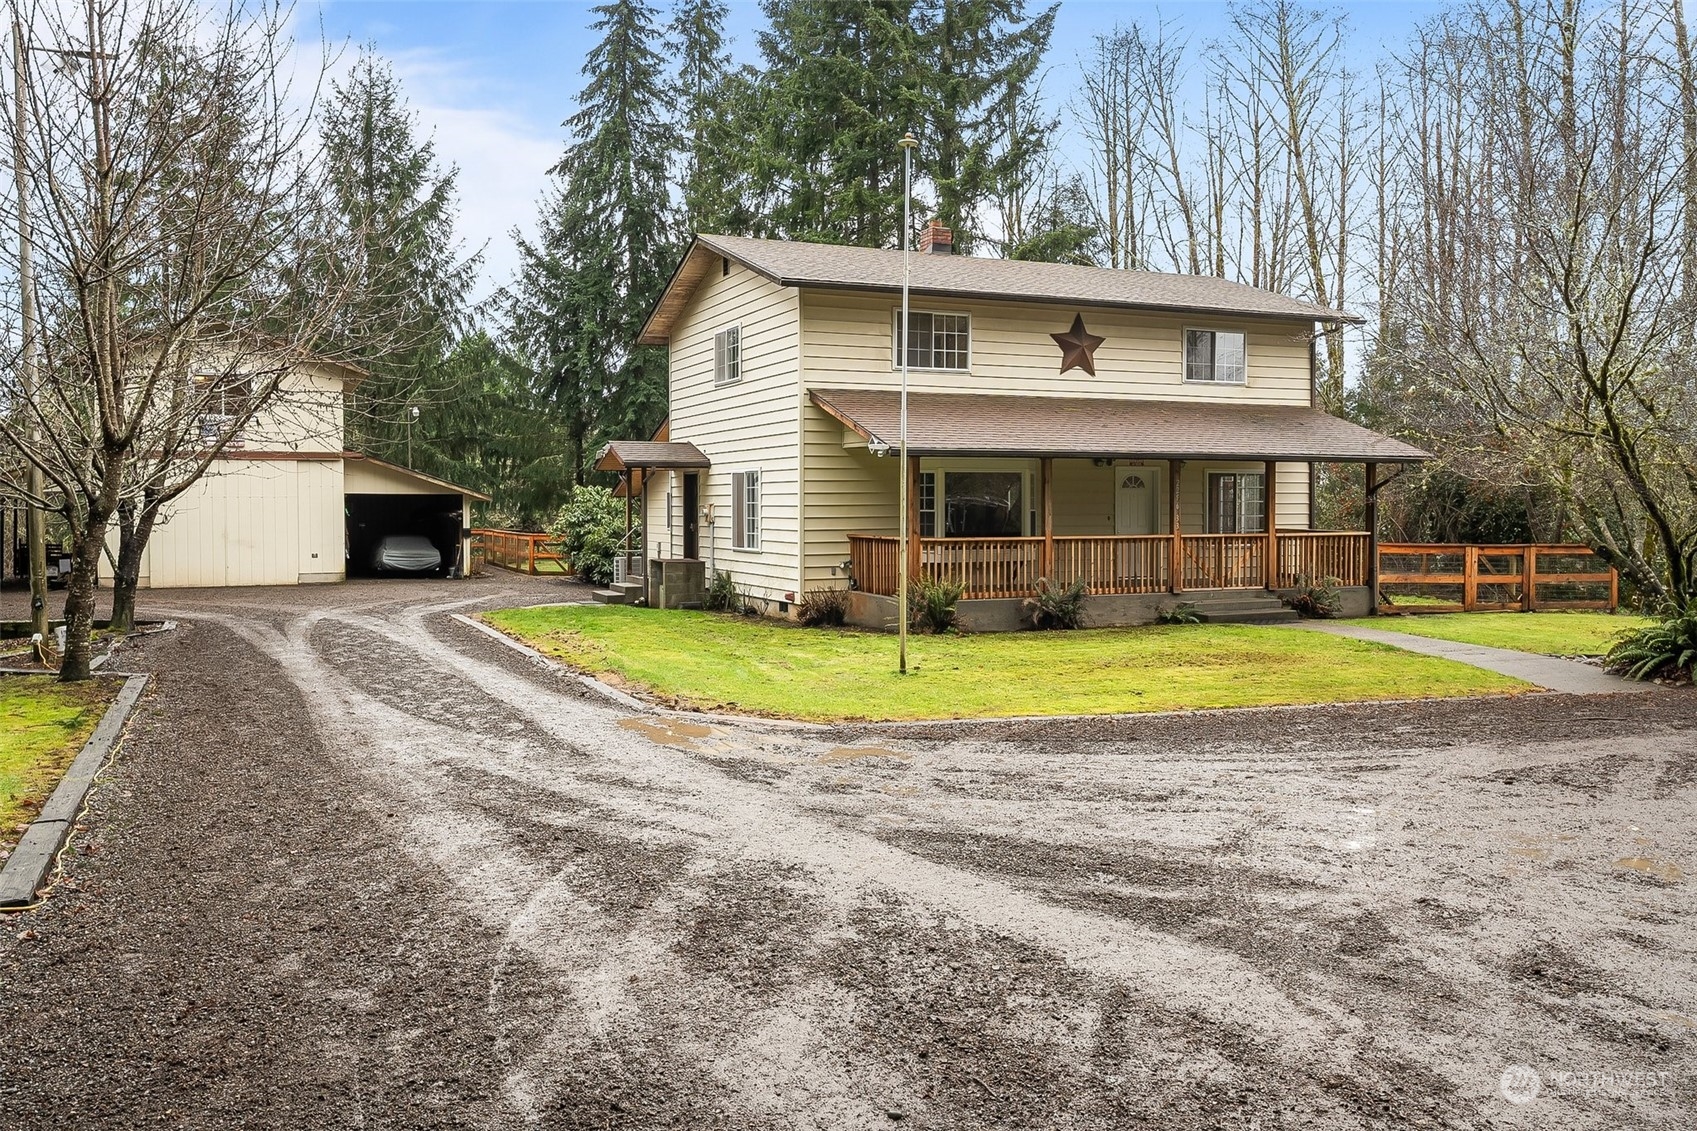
column 747, row 426
column 847, row 343
column 849, row 491
column 304, row 415
column 1291, row 504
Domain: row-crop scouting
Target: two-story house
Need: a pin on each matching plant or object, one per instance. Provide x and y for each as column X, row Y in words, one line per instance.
column 1150, row 434
column 284, row 503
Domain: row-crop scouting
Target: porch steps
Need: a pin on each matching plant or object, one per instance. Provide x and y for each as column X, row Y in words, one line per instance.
column 621, row 593
column 1237, row 606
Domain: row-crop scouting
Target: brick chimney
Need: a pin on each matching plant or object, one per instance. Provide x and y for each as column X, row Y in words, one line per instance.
column 936, row 239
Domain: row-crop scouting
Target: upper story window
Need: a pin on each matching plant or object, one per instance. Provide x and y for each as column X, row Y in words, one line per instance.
column 1215, row 356
column 225, row 404
column 727, row 356
column 935, row 341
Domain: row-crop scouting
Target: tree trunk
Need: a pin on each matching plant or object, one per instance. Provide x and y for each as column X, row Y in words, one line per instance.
column 134, row 530
column 79, row 599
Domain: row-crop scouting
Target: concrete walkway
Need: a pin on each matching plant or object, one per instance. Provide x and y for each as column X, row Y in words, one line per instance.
column 1550, row 672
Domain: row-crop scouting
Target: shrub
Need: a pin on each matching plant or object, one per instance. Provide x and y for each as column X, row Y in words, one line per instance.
column 1666, row 649
column 932, row 604
column 823, row 608
column 1054, row 607
column 1315, row 598
column 722, row 595
column 592, row 527
column 1182, row 613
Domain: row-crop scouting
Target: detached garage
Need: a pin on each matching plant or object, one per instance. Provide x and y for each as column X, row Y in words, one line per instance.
column 382, row 499
column 285, row 504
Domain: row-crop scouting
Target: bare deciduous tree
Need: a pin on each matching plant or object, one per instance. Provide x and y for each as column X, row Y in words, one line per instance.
column 181, row 232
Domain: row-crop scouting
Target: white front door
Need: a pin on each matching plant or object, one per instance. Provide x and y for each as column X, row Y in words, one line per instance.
column 1137, row 500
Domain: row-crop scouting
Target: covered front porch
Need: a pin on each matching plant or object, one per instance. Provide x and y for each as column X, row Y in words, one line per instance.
column 1131, row 498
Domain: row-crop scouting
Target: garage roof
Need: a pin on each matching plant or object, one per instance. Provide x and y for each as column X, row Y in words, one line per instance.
column 982, row 424
column 397, row 469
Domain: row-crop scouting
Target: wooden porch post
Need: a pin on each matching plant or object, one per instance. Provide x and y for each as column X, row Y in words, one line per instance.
column 912, row 519
column 628, row 486
column 1048, row 569
column 1175, row 565
column 1372, row 523
column 1270, row 499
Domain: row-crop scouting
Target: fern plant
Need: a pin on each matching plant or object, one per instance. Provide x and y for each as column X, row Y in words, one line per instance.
column 1667, row 648
column 1053, row 606
column 1182, row 613
column 932, row 604
column 823, row 608
column 1315, row 597
column 722, row 595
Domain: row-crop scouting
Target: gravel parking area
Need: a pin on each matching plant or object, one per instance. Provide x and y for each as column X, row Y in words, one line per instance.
column 358, row 865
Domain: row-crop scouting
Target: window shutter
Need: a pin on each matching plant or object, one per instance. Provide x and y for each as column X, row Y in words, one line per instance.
column 739, row 525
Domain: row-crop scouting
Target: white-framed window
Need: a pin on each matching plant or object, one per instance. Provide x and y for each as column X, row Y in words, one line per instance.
column 1237, row 502
column 976, row 498
column 745, row 510
column 1216, row 356
column 225, row 401
column 936, row 340
column 727, row 356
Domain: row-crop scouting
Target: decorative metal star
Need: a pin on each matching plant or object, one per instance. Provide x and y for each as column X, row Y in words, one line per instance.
column 1078, row 347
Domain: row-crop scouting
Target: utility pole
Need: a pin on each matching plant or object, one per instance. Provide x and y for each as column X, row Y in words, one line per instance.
column 35, row 521
column 908, row 144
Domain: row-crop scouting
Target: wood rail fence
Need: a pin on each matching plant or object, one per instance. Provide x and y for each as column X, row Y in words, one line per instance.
column 1497, row 578
column 520, row 550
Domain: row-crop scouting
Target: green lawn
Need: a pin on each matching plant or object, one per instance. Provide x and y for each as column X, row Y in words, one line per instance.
column 43, row 723
column 1574, row 633
column 711, row 661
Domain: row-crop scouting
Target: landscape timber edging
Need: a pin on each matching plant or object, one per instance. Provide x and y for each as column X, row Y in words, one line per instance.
column 33, row 857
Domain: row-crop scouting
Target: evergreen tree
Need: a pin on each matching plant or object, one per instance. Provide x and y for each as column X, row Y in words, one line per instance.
column 979, row 59
column 606, row 245
column 712, row 102
column 842, row 83
column 399, row 207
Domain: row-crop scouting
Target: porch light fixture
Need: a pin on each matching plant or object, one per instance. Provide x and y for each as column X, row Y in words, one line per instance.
column 908, row 144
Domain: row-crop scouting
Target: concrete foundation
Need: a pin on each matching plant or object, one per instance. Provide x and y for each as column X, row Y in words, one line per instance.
column 1116, row 610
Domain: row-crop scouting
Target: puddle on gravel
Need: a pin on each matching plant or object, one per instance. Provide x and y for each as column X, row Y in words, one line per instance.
column 672, row 732
column 843, row 754
column 1664, row 872
column 1525, row 851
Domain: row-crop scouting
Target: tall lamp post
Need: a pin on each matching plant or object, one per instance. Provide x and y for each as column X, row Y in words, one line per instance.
column 908, row 144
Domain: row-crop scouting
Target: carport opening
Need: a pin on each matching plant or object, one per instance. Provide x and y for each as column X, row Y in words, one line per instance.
column 371, row 518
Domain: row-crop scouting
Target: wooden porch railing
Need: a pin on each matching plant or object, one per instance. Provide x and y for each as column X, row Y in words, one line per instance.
column 1316, row 555
column 1449, row 577
column 1126, row 563
column 1224, row 561
column 520, row 550
column 985, row 567
column 1110, row 563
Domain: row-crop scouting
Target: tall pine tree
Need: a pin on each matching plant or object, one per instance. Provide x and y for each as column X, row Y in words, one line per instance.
column 606, row 243
column 842, row 82
column 979, row 61
column 713, row 101
column 399, row 205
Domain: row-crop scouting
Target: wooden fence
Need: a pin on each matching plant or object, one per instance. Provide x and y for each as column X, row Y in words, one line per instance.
column 520, row 550
column 1457, row 577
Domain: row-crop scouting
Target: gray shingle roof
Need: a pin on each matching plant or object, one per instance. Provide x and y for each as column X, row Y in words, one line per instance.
column 621, row 455
column 974, row 423
column 798, row 264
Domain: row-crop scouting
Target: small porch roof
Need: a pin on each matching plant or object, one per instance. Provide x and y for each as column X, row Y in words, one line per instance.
column 998, row 424
column 625, row 455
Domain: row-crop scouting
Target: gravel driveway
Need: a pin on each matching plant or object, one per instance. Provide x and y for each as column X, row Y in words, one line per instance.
column 359, row 865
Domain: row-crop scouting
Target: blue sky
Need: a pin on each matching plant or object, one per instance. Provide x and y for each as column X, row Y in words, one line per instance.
column 493, row 80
